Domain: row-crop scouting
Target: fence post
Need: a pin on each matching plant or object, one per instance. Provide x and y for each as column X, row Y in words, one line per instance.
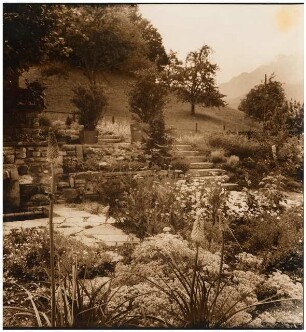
column 113, row 119
column 196, row 129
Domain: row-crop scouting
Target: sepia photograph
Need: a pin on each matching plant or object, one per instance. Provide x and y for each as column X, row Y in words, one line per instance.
column 153, row 165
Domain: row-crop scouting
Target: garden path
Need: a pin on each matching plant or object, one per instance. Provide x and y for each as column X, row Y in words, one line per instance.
column 200, row 169
column 83, row 226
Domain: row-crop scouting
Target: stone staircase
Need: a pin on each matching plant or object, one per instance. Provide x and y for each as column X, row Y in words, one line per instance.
column 109, row 139
column 200, row 168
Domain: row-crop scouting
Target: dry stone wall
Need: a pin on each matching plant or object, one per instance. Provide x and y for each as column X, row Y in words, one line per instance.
column 27, row 171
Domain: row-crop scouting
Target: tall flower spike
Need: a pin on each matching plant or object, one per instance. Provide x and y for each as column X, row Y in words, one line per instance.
column 53, row 151
column 197, row 234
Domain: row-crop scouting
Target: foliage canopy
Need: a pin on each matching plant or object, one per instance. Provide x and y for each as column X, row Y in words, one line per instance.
column 194, row 82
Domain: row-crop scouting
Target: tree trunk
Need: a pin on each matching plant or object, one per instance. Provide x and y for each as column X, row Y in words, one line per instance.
column 192, row 108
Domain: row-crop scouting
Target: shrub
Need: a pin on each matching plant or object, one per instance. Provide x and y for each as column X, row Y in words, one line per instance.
column 232, row 161
column 240, row 146
column 218, row 156
column 26, row 255
column 149, row 206
column 278, row 239
column 44, row 121
column 111, row 191
column 181, row 164
column 290, row 157
column 91, row 102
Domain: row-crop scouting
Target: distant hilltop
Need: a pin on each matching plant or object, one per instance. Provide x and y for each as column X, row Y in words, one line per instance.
column 287, row 69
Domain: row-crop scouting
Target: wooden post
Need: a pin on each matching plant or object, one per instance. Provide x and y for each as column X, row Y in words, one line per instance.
column 113, row 119
column 196, row 129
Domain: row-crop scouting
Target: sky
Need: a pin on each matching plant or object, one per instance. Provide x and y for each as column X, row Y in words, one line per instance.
column 242, row 37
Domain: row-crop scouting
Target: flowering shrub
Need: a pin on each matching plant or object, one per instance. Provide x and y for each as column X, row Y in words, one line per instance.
column 278, row 238
column 26, row 255
column 163, row 265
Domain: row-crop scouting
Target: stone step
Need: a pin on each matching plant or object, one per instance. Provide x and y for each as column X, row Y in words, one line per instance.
column 201, row 165
column 195, row 159
column 212, row 178
column 109, row 137
column 181, row 147
column 188, row 153
column 229, row 186
column 206, row 172
column 109, row 140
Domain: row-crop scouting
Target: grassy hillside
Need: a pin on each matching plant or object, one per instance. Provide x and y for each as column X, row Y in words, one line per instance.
column 59, row 94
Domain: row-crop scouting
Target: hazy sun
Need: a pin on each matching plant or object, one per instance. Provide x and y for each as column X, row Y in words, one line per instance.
column 287, row 17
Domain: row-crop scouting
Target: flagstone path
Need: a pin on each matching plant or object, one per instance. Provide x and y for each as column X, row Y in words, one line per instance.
column 86, row 227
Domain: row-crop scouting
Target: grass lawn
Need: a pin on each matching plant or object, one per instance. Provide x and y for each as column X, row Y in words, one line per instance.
column 59, row 94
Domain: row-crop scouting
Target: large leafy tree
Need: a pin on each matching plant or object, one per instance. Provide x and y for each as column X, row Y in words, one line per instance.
column 103, row 37
column 27, row 34
column 264, row 101
column 152, row 38
column 194, row 81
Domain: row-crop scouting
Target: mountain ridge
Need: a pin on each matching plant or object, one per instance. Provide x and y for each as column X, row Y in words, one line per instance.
column 288, row 69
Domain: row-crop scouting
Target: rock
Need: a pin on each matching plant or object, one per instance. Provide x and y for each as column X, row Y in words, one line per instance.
column 21, row 153
column 69, row 194
column 68, row 147
column 71, row 153
column 26, row 179
column 103, row 164
column 79, row 152
column 63, row 184
column 19, row 161
column 9, row 159
column 36, row 168
column 40, row 199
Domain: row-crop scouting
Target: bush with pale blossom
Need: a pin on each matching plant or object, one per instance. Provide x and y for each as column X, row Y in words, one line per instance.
column 155, row 270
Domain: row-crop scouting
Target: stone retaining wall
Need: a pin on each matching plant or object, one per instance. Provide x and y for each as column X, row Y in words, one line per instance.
column 26, row 164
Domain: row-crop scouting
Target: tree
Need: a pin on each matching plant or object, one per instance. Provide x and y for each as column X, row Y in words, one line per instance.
column 194, row 82
column 265, row 101
column 102, row 37
column 153, row 39
column 147, row 99
column 27, row 34
column 295, row 120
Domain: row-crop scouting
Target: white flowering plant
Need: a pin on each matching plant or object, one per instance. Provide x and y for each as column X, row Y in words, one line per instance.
column 194, row 288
